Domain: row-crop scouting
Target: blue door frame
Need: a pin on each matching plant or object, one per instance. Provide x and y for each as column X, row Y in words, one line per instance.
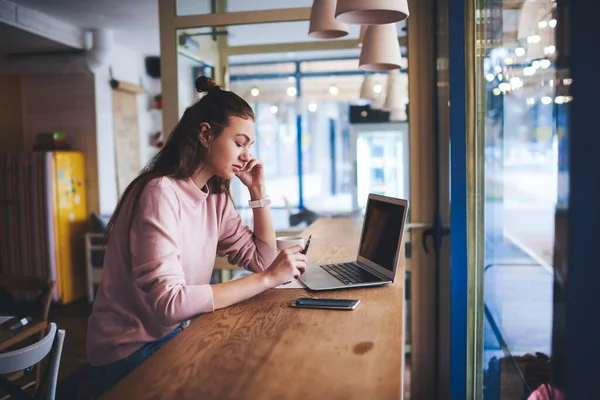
column 458, row 201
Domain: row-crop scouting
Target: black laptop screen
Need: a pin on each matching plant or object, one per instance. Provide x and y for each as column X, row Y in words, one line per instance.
column 381, row 231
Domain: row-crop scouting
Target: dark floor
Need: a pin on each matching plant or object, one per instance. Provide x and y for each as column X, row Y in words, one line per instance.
column 73, row 319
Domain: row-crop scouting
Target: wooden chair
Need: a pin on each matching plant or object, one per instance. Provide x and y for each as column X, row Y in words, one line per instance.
column 16, row 293
column 20, row 359
column 13, row 289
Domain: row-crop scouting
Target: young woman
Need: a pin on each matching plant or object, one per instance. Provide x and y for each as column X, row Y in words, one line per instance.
column 169, row 225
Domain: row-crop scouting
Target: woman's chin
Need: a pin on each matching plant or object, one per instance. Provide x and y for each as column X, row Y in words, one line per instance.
column 229, row 175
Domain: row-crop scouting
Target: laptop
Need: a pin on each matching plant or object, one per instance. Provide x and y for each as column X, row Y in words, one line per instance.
column 378, row 254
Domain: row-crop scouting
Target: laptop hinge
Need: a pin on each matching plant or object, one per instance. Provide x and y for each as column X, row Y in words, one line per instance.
column 373, row 271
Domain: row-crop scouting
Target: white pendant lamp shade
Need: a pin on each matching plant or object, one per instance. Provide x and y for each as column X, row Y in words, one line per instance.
column 397, row 96
column 323, row 24
column 361, row 35
column 393, row 99
column 380, row 50
column 367, row 90
column 371, row 12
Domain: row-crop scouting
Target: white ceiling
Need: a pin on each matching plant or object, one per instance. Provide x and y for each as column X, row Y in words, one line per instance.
column 135, row 22
column 25, row 42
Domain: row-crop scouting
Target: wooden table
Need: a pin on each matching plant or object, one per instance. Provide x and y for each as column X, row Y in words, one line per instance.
column 263, row 349
column 10, row 338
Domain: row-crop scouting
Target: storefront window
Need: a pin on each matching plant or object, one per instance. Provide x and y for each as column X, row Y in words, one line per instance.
column 521, row 95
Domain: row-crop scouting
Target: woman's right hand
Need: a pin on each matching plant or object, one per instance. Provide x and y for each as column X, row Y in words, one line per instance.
column 288, row 265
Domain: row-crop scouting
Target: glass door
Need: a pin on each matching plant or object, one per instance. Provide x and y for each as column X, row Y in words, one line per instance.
column 519, row 157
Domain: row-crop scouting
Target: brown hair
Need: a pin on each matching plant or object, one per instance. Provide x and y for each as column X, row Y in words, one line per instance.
column 182, row 153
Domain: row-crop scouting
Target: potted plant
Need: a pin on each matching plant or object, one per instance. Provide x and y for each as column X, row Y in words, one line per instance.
column 158, row 101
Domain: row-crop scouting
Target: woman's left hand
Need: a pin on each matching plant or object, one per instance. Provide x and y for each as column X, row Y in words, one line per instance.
column 252, row 175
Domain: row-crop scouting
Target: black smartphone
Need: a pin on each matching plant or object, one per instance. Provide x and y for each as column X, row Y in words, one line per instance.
column 15, row 323
column 331, row 304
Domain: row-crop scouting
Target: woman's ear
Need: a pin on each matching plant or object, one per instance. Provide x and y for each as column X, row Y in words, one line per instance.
column 205, row 134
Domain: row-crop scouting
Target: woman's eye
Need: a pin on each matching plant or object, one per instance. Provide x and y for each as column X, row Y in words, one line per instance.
column 238, row 145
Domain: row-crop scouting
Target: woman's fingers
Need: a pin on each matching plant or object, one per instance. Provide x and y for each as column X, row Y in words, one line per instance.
column 251, row 164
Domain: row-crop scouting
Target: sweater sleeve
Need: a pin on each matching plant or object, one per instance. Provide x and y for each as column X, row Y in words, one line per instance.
column 155, row 243
column 240, row 245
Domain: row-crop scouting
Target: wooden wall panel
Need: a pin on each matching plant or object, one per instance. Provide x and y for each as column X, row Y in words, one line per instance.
column 11, row 123
column 64, row 103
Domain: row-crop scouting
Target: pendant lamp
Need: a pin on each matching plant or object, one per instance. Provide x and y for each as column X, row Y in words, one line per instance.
column 380, row 50
column 367, row 91
column 323, row 24
column 393, row 98
column 397, row 95
column 371, row 12
column 361, row 35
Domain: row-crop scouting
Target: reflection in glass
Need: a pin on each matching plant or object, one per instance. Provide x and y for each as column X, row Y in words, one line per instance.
column 522, row 150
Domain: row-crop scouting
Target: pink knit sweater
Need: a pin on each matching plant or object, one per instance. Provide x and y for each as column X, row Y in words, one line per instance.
column 163, row 278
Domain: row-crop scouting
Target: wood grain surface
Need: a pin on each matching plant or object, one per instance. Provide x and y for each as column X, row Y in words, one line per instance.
column 263, row 349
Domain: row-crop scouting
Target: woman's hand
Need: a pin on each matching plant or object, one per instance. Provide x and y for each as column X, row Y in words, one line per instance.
column 252, row 175
column 290, row 263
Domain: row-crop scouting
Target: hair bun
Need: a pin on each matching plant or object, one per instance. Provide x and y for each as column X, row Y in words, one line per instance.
column 205, row 84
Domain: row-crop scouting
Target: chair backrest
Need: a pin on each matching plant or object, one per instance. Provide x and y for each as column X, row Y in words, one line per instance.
column 53, row 365
column 34, row 287
column 26, row 357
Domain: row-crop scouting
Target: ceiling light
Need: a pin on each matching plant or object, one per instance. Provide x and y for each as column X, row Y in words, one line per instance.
column 542, row 24
column 519, row 52
column 490, row 77
column 254, row 91
column 323, row 24
column 381, row 50
column 530, row 101
column 504, row 86
column 533, row 39
column 552, row 23
column 549, row 50
column 545, row 63
column 291, row 91
column 377, row 88
column 312, row 107
column 546, row 100
column 516, row 82
column 371, row 12
column 274, row 109
column 333, row 90
column 496, row 91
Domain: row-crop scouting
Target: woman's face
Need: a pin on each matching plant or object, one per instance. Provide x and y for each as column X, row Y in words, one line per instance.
column 230, row 151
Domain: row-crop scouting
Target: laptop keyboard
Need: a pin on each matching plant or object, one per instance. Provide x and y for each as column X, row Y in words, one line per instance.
column 349, row 273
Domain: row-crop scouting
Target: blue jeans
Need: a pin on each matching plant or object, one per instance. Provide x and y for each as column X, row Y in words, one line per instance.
column 105, row 377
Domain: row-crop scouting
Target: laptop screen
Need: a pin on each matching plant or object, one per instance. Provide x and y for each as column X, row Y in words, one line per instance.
column 381, row 231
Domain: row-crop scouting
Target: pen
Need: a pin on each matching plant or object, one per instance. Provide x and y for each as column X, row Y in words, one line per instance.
column 307, row 244
column 303, row 252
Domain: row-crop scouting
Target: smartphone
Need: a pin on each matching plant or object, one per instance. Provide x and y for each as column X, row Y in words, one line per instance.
column 331, row 304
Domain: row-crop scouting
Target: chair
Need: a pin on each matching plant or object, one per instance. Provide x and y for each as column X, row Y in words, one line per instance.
column 16, row 293
column 29, row 356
